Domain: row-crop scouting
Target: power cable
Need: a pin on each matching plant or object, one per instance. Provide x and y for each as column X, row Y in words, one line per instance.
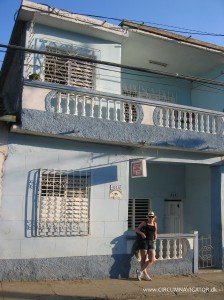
column 163, row 73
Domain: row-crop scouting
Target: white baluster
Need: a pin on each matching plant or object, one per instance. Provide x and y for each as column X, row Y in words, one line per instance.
column 172, row 119
column 100, row 109
column 190, row 121
column 207, row 124
column 76, row 105
column 59, row 103
column 213, row 125
column 115, row 111
column 161, row 117
column 167, row 117
column 196, row 122
column 92, row 102
column 161, row 249
column 202, row 128
column 185, row 120
column 174, row 248
column 179, row 119
column 180, row 249
column 67, row 104
column 84, row 106
column 168, row 249
column 108, row 110
column 122, row 111
column 130, row 113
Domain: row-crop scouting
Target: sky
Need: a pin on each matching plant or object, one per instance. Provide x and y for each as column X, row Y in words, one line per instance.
column 186, row 17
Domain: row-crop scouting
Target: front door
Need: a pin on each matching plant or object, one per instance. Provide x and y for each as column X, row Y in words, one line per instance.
column 173, row 216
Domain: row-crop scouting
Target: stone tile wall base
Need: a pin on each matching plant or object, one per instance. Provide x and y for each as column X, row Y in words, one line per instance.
column 69, row 268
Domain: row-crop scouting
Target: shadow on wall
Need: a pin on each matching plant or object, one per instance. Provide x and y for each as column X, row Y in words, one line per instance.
column 98, row 176
column 121, row 262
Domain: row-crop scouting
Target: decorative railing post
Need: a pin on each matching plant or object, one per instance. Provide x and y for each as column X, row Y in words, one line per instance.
column 174, row 248
column 76, row 105
column 83, row 106
column 180, row 249
column 59, row 103
column 168, row 249
column 67, row 110
column 100, row 109
column 161, row 249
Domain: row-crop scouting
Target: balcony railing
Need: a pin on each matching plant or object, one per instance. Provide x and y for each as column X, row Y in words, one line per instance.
column 94, row 107
column 188, row 119
column 172, row 246
column 118, row 108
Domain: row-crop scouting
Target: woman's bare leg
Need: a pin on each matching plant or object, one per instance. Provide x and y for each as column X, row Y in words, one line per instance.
column 148, row 263
column 144, row 255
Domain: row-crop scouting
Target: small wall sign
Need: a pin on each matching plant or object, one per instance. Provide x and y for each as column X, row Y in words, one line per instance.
column 138, row 168
column 115, row 192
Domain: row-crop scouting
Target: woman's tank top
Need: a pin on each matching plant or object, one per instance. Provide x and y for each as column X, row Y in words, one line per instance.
column 150, row 231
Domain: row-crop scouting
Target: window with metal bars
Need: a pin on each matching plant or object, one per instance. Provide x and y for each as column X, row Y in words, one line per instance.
column 63, row 207
column 68, row 71
column 137, row 212
column 130, row 110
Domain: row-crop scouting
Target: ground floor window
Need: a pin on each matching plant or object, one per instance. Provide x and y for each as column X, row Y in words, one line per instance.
column 137, row 211
column 63, row 203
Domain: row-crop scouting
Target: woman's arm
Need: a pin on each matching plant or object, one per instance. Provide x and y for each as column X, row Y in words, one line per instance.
column 138, row 230
column 155, row 231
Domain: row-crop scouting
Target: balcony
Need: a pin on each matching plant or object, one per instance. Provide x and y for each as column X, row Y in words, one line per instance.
column 79, row 113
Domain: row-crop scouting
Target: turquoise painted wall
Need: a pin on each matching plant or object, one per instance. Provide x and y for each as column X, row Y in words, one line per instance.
column 197, row 208
column 209, row 96
column 181, row 89
column 107, row 78
column 190, row 183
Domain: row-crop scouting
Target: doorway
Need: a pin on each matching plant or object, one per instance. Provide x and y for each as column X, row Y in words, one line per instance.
column 173, row 217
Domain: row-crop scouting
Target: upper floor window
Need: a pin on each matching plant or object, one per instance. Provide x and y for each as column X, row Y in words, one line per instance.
column 68, row 71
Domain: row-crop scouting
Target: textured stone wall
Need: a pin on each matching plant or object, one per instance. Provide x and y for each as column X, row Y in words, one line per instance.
column 104, row 131
column 86, row 267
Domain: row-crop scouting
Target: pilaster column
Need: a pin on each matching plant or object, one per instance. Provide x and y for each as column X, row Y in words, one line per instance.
column 217, row 209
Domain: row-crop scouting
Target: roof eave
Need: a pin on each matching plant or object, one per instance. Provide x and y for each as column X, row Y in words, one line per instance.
column 172, row 36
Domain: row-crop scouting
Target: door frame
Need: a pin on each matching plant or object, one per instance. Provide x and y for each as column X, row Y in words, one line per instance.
column 166, row 215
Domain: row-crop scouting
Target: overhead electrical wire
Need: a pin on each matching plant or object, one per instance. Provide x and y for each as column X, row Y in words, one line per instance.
column 219, row 90
column 144, row 70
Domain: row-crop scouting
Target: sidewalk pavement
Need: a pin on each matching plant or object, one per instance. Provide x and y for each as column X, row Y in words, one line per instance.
column 207, row 285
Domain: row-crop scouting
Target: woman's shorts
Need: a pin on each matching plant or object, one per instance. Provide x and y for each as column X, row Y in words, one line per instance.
column 147, row 245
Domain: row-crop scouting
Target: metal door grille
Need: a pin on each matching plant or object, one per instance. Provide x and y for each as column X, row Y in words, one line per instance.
column 63, row 207
column 209, row 251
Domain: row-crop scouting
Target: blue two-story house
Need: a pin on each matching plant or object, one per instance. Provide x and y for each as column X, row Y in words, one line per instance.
column 99, row 124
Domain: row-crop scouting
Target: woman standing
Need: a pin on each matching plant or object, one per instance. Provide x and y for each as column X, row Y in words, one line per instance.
column 147, row 231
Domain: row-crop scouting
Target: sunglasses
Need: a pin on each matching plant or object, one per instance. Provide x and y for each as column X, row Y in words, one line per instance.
column 150, row 217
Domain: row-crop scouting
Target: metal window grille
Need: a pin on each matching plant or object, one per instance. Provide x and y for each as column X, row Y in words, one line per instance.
column 149, row 93
column 137, row 211
column 68, row 71
column 130, row 112
column 63, row 207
